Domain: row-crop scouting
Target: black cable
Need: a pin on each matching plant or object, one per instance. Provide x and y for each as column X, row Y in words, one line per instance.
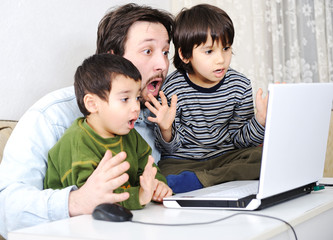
column 327, row 184
column 218, row 220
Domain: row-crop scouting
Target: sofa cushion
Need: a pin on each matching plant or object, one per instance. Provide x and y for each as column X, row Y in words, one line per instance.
column 6, row 128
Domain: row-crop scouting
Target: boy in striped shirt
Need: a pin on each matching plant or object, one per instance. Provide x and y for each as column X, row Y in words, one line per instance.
column 210, row 133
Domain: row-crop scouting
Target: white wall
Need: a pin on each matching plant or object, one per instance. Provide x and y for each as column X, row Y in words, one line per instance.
column 41, row 44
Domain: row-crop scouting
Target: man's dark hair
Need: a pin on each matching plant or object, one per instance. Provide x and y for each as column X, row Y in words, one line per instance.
column 113, row 28
column 96, row 73
column 192, row 27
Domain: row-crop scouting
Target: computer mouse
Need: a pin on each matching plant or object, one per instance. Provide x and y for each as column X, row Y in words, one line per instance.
column 112, row 212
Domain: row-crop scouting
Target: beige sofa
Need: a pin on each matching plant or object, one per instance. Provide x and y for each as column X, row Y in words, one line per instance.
column 6, row 128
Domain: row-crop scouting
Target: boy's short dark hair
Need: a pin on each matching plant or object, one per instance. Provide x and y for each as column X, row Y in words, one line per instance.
column 113, row 28
column 191, row 29
column 96, row 73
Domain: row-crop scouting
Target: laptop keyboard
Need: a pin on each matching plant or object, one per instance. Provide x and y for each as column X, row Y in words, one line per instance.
column 233, row 189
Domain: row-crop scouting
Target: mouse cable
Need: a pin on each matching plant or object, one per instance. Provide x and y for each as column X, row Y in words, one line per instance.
column 218, row 220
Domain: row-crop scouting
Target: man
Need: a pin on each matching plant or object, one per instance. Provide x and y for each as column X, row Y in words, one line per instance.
column 140, row 34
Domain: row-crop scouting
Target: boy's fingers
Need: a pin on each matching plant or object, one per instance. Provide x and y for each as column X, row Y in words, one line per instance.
column 259, row 93
column 151, row 159
column 174, row 99
column 152, row 119
column 149, row 162
column 154, row 172
column 154, row 101
column 163, row 98
column 161, row 191
column 151, row 108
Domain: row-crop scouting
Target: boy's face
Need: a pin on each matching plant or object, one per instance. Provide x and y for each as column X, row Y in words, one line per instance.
column 117, row 116
column 147, row 47
column 210, row 63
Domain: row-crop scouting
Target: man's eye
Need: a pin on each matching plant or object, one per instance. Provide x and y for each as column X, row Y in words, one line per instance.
column 147, row 51
column 226, row 49
column 124, row 99
column 208, row 51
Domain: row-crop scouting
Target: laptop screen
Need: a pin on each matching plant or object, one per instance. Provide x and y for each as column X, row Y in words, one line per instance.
column 296, row 133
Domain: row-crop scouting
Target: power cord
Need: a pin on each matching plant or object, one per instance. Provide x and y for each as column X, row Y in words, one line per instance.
column 218, row 220
column 327, row 184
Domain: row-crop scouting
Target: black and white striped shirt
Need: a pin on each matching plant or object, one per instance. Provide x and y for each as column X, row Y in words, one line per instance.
column 210, row 121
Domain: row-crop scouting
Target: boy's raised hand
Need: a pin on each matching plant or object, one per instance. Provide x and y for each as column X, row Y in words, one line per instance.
column 261, row 107
column 165, row 114
column 147, row 182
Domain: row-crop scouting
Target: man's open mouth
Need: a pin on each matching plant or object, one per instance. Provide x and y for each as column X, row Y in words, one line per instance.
column 154, row 86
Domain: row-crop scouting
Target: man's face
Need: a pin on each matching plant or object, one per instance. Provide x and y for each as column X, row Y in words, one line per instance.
column 147, row 47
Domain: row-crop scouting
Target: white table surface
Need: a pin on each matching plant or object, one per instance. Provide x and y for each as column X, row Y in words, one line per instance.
column 311, row 216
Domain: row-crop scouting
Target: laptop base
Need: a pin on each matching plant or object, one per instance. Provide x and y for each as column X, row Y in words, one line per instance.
column 246, row 203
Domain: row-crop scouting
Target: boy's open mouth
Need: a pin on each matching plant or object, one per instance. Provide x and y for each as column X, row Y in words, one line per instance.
column 131, row 122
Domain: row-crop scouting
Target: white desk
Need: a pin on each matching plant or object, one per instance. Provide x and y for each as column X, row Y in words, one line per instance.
column 311, row 216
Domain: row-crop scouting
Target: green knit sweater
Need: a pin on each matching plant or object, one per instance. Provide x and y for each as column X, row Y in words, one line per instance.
column 76, row 155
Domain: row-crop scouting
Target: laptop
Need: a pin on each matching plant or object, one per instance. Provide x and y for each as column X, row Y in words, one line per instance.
column 294, row 149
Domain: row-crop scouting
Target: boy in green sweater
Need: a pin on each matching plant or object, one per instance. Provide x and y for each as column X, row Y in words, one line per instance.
column 107, row 89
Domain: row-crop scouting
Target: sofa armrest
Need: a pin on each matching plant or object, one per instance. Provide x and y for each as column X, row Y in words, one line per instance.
column 328, row 170
column 6, row 128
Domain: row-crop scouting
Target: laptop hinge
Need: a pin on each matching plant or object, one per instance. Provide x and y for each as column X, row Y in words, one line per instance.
column 282, row 197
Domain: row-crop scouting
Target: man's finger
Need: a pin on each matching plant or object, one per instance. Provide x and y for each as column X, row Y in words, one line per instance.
column 107, row 156
column 113, row 161
column 116, row 171
column 117, row 182
column 119, row 197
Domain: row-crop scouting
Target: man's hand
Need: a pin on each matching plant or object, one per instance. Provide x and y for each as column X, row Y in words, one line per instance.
column 261, row 107
column 108, row 176
column 147, row 182
column 165, row 115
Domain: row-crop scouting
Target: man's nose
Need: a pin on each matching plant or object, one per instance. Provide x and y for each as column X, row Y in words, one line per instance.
column 161, row 62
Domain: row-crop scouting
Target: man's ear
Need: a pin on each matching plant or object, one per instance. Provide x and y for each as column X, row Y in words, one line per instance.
column 110, row 52
column 185, row 60
column 91, row 102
